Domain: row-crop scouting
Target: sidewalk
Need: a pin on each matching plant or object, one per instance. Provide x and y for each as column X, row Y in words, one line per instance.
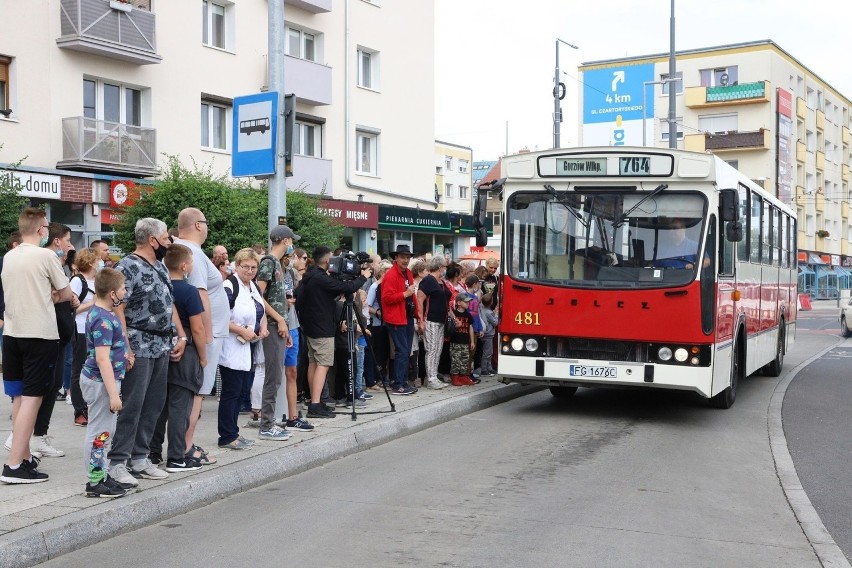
column 44, row 520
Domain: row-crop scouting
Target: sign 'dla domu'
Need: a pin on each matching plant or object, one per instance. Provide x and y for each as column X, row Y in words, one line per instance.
column 32, row 185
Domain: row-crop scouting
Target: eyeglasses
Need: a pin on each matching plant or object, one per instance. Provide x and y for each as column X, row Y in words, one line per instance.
column 248, row 268
column 205, row 222
column 44, row 227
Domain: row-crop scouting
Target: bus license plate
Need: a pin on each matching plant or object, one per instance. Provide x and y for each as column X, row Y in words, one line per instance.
column 587, row 371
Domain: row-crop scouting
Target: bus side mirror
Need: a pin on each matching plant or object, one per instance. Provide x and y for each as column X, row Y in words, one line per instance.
column 734, row 231
column 729, row 205
column 479, row 206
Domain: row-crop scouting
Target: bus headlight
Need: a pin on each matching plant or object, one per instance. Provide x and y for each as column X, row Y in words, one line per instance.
column 680, row 354
column 531, row 345
column 665, row 354
column 517, row 344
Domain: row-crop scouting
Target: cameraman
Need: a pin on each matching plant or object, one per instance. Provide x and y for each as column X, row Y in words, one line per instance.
column 315, row 305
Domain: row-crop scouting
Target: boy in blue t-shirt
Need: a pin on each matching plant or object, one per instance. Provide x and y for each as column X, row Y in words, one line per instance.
column 100, row 381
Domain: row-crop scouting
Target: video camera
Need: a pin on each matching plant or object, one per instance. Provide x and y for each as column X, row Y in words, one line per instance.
column 347, row 266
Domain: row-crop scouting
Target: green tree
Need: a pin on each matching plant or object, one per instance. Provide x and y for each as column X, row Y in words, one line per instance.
column 11, row 205
column 236, row 212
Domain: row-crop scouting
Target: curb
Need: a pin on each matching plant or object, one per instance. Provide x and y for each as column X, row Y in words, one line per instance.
column 53, row 538
column 827, row 551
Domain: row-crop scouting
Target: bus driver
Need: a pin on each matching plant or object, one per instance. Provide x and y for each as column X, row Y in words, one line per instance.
column 675, row 249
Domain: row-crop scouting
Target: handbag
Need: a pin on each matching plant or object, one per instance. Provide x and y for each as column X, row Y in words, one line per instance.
column 450, row 325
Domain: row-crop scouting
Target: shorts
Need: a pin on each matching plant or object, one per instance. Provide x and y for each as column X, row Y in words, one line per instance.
column 291, row 354
column 321, row 350
column 28, row 365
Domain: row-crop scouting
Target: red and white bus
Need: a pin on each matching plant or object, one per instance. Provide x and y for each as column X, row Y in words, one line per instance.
column 642, row 267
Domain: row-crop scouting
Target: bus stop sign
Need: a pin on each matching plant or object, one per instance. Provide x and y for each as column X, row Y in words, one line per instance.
column 254, row 128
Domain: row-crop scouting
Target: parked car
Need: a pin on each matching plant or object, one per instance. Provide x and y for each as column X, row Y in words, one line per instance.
column 846, row 319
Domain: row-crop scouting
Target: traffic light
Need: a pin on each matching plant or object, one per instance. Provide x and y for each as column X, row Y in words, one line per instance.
column 289, row 126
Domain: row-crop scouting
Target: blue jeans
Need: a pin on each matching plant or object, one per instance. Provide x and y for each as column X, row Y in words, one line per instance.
column 401, row 335
column 359, row 367
column 234, row 384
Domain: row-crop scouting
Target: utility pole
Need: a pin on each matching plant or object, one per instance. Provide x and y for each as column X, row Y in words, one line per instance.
column 557, row 95
column 672, row 85
column 275, row 60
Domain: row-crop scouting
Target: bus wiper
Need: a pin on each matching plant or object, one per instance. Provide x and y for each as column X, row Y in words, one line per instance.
column 550, row 189
column 619, row 221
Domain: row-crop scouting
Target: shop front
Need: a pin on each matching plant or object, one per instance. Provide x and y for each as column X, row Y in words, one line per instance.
column 359, row 220
column 435, row 232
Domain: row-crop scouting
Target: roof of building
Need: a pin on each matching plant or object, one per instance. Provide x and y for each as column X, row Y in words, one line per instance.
column 481, row 169
column 757, row 44
column 493, row 174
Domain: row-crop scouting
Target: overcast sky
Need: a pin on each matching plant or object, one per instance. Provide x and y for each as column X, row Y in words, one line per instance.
column 494, row 59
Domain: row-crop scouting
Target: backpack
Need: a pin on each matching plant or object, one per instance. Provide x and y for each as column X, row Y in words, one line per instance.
column 85, row 287
column 235, row 288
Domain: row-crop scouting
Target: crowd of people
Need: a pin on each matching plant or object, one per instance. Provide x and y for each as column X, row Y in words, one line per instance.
column 135, row 346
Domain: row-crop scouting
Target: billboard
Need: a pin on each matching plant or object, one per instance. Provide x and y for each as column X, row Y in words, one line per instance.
column 613, row 108
column 786, row 158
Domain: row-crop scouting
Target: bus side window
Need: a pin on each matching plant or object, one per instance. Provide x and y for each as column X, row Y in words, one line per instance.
column 726, row 254
column 755, row 226
column 743, row 247
column 767, row 234
column 708, row 280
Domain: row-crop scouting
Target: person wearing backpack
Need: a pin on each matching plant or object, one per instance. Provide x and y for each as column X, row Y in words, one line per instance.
column 83, row 286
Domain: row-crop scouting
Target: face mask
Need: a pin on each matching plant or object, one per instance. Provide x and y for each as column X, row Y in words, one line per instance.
column 43, row 241
column 160, row 251
column 290, row 250
column 116, row 302
column 59, row 253
column 101, row 264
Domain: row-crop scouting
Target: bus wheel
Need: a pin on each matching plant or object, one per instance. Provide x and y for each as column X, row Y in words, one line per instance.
column 563, row 392
column 844, row 329
column 773, row 368
column 725, row 399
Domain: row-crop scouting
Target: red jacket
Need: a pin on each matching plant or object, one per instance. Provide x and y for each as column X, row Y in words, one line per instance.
column 393, row 301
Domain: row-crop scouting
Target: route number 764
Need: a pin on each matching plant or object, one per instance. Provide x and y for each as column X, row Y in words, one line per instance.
column 527, row 318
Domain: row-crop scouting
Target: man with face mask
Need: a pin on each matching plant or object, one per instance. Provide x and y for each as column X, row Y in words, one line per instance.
column 147, row 316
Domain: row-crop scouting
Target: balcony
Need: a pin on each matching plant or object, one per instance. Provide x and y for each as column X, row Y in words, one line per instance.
column 844, row 209
column 313, row 175
column 801, row 151
column 820, row 161
column 120, row 30
column 845, row 135
column 819, row 201
column 101, row 146
column 312, row 6
column 844, row 247
column 820, row 120
column 743, row 93
column 800, row 194
column 801, row 108
column 844, row 172
column 309, row 81
column 729, row 141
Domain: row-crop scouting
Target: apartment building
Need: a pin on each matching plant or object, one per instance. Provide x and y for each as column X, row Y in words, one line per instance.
column 760, row 109
column 453, row 177
column 94, row 93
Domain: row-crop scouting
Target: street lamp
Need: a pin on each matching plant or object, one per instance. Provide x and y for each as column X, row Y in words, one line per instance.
column 645, row 103
column 557, row 111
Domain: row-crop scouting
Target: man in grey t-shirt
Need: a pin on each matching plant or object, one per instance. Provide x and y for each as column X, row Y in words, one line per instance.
column 192, row 232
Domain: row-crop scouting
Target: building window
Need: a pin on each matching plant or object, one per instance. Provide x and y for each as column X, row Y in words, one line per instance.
column 5, row 90
column 718, row 123
column 463, row 192
column 719, row 76
column 368, row 69
column 301, row 44
column 810, row 140
column 664, row 128
column 448, row 162
column 463, row 166
column 215, row 24
column 214, row 125
column 307, row 139
column 448, row 190
column 495, row 217
column 678, row 83
column 367, row 149
column 110, row 102
column 733, row 163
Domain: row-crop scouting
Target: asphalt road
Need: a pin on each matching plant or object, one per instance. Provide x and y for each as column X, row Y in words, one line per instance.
column 612, row 478
column 818, row 427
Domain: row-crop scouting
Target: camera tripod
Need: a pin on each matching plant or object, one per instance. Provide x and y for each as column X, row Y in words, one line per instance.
column 347, row 316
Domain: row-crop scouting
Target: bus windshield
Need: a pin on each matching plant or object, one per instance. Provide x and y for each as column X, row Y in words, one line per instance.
column 602, row 238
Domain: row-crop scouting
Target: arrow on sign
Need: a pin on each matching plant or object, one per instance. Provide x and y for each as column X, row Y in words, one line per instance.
column 617, row 77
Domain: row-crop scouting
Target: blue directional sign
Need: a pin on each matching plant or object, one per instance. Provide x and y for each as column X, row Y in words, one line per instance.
column 255, row 125
column 616, row 91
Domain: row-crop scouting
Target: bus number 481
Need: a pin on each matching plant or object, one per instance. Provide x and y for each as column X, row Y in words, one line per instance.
column 527, row 318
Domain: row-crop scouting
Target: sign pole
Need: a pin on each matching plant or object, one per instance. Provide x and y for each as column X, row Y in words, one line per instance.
column 277, row 214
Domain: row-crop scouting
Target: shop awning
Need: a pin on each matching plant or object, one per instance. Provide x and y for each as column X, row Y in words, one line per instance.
column 823, row 271
column 815, row 259
column 842, row 272
column 804, row 269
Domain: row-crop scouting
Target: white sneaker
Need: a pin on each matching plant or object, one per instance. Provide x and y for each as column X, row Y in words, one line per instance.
column 41, row 444
column 119, row 473
column 68, row 399
column 147, row 470
column 435, row 384
column 8, row 446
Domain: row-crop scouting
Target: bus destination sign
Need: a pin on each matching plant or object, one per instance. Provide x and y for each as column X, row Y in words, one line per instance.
column 605, row 166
